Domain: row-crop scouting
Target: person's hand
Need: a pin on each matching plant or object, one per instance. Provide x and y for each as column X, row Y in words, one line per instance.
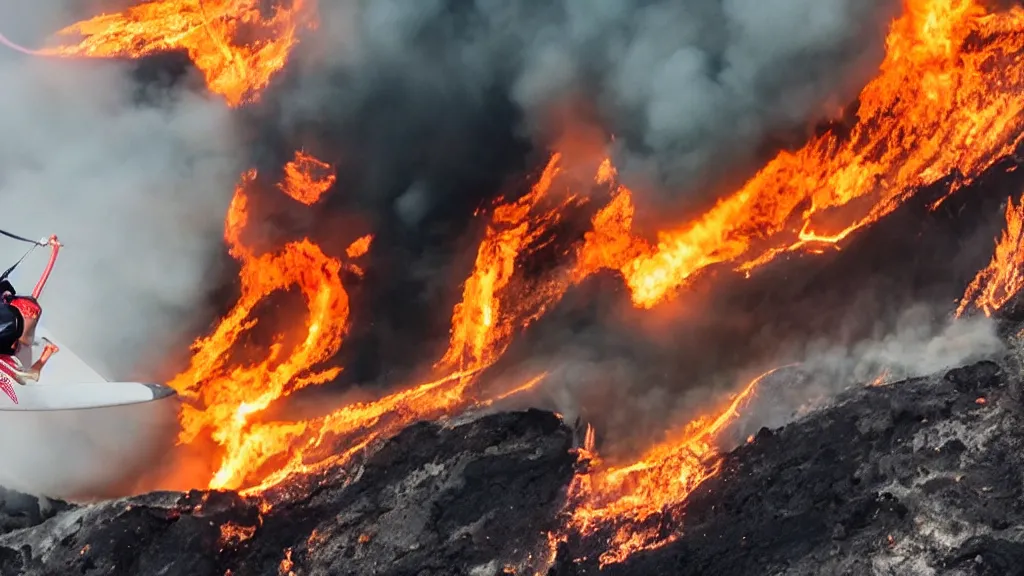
column 49, row 348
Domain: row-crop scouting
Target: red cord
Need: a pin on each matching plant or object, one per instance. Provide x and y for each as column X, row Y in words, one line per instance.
column 54, row 249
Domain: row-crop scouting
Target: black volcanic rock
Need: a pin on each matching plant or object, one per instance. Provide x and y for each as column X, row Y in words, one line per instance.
column 924, row 476
column 459, row 499
column 22, row 511
column 920, row 477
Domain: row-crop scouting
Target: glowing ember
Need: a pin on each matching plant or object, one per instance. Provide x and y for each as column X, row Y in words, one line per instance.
column 211, row 31
column 306, row 179
column 233, row 534
column 993, row 287
column 286, row 565
column 359, row 247
column 941, row 105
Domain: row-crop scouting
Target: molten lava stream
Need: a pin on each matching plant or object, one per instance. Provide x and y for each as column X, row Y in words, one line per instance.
column 1003, row 278
column 624, row 500
column 941, row 105
column 208, row 30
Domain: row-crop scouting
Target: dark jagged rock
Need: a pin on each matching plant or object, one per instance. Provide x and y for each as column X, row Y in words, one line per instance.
column 22, row 511
column 920, row 477
column 924, row 476
column 433, row 500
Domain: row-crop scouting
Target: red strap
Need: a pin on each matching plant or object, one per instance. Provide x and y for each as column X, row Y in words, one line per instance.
column 28, row 308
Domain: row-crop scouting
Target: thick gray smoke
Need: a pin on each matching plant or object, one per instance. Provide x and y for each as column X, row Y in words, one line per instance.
column 691, row 89
column 922, row 343
column 631, row 399
column 136, row 189
column 433, row 107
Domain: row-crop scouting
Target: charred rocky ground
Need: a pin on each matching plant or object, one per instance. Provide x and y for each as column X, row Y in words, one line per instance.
column 434, row 500
column 917, row 477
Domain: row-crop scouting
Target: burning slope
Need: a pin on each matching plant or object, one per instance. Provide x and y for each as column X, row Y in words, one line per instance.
column 948, row 101
column 998, row 282
column 628, row 497
column 232, row 42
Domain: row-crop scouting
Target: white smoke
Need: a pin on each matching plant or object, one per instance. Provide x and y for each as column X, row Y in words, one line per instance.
column 618, row 380
column 137, row 190
column 922, row 343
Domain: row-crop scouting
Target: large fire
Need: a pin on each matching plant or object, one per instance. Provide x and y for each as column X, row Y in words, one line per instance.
column 234, row 43
column 940, row 106
column 947, row 102
column 1003, row 278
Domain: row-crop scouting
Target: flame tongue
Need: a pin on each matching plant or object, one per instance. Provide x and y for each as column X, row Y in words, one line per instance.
column 306, row 179
column 941, row 105
column 1002, row 279
column 480, row 327
column 229, row 398
column 626, row 497
column 493, row 306
column 209, row 30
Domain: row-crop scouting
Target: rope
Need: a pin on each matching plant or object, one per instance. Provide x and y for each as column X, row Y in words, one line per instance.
column 35, row 244
column 23, row 239
column 20, row 260
column 19, row 48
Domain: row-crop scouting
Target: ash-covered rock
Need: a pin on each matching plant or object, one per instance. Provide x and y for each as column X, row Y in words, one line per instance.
column 466, row 499
column 920, row 477
column 19, row 510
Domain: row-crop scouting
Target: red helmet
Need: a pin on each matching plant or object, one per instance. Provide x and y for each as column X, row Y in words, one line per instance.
column 28, row 306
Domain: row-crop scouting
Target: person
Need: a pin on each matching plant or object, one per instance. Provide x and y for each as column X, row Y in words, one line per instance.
column 19, row 317
column 30, row 311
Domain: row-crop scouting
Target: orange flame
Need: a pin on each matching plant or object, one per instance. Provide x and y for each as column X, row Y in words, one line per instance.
column 359, row 247
column 237, row 49
column 230, row 397
column 1002, row 279
column 626, row 497
column 481, row 329
column 941, row 105
column 306, row 179
column 482, row 326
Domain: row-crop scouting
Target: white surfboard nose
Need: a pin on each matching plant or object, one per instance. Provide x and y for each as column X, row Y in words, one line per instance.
column 75, row 435
column 160, row 391
column 102, row 452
